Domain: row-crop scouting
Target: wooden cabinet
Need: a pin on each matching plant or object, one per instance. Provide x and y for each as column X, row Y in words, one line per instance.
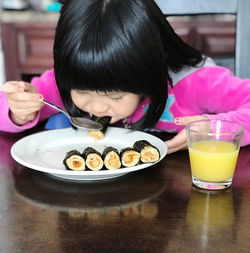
column 28, row 46
column 215, row 39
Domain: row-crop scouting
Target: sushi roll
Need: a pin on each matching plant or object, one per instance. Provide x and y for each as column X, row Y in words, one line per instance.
column 129, row 157
column 93, row 159
column 111, row 158
column 74, row 161
column 99, row 134
column 149, row 153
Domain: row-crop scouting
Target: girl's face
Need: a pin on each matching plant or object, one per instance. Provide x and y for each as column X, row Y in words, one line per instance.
column 117, row 105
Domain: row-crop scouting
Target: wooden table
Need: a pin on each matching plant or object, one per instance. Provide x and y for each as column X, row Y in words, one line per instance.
column 154, row 210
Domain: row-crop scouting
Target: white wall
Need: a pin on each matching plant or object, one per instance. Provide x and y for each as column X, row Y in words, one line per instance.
column 2, row 74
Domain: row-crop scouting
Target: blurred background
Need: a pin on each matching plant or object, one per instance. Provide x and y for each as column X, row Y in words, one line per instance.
column 17, row 45
column 28, row 27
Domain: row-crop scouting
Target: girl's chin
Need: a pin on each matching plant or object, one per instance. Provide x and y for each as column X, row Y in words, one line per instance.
column 114, row 120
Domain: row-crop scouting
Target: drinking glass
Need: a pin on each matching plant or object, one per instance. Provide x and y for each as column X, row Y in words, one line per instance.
column 213, row 147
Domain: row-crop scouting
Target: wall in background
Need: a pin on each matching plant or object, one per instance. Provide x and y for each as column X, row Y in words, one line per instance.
column 213, row 35
column 2, row 74
column 2, row 71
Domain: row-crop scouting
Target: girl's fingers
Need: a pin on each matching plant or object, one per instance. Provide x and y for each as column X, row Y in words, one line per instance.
column 23, row 108
column 28, row 87
column 24, row 96
column 178, row 140
column 187, row 119
column 27, row 109
column 181, row 147
column 17, row 86
column 23, row 100
column 20, row 91
column 12, row 87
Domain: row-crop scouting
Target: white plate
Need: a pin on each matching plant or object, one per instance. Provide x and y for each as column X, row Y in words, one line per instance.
column 46, row 150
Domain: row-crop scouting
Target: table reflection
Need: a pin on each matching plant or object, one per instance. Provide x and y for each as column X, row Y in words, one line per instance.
column 127, row 194
column 128, row 205
column 210, row 210
column 210, row 214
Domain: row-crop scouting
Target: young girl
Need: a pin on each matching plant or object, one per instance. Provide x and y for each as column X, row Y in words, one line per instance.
column 122, row 59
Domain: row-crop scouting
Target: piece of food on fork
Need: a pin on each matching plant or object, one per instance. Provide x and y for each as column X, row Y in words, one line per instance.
column 99, row 134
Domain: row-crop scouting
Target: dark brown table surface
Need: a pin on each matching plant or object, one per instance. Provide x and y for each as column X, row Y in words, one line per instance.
column 152, row 210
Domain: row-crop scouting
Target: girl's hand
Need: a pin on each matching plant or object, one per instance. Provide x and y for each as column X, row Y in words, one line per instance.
column 23, row 100
column 179, row 142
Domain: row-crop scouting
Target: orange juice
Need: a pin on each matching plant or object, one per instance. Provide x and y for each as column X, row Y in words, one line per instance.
column 213, row 161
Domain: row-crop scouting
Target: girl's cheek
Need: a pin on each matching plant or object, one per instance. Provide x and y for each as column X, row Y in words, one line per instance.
column 79, row 100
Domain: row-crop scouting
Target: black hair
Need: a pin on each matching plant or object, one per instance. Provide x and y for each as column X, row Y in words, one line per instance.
column 118, row 45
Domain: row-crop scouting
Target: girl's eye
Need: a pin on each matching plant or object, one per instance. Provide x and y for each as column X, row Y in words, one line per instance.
column 116, row 98
column 82, row 92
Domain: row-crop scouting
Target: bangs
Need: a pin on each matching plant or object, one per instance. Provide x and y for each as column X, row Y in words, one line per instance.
column 103, row 49
column 105, row 69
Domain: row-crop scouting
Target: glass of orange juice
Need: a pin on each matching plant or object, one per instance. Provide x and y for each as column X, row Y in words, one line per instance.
column 213, row 147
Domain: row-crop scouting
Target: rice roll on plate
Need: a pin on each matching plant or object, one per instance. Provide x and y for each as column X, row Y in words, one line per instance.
column 129, row 157
column 93, row 159
column 111, row 158
column 74, row 161
column 45, row 152
column 148, row 152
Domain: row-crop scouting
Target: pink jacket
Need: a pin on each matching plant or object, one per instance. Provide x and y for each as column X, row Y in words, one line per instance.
column 210, row 90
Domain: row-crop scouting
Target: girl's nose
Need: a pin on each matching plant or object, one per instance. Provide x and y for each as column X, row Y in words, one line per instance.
column 98, row 108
